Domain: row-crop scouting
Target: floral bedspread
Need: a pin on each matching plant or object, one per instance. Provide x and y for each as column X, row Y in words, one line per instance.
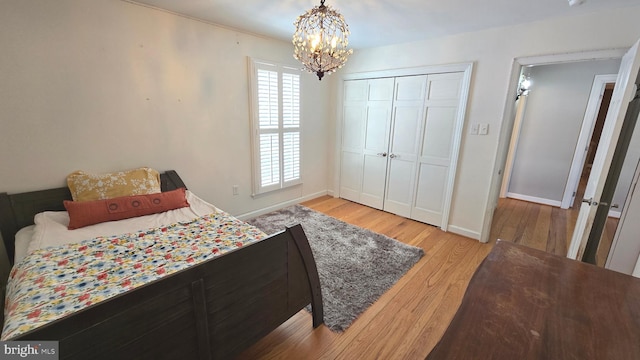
column 53, row 282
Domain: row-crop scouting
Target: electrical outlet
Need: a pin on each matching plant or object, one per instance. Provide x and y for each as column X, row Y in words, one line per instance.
column 484, row 129
column 474, row 129
column 235, row 189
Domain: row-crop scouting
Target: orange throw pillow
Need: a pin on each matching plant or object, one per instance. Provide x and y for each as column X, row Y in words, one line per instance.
column 87, row 213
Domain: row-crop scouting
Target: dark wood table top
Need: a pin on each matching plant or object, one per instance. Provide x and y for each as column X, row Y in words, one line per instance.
column 524, row 303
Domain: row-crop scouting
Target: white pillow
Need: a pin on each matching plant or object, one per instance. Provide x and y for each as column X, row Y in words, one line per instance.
column 51, row 226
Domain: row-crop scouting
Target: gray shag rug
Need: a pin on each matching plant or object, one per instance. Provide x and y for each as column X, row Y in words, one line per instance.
column 355, row 265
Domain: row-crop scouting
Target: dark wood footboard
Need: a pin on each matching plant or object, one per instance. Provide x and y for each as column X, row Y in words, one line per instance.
column 210, row 311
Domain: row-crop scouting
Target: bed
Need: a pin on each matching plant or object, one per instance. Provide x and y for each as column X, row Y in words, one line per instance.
column 212, row 310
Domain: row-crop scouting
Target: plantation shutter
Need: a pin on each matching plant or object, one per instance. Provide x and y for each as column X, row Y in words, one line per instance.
column 291, row 126
column 276, row 110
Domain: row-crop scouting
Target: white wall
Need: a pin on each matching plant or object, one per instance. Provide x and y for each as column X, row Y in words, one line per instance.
column 108, row 85
column 555, row 111
column 493, row 52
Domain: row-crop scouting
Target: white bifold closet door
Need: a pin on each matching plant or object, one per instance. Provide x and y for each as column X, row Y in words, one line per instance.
column 435, row 159
column 397, row 143
column 404, row 150
column 365, row 140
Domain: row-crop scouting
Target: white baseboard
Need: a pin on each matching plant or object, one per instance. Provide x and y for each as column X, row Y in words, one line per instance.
column 464, row 232
column 252, row 214
column 534, row 199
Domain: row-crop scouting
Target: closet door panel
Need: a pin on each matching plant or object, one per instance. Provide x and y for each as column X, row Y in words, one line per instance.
column 444, row 86
column 406, row 126
column 366, row 128
column 376, row 145
column 351, row 176
column 438, row 132
column 405, row 144
column 352, row 157
column 380, row 89
column 411, row 88
column 372, row 183
column 430, row 194
column 436, row 148
column 354, row 114
column 399, row 189
column 355, row 90
column 354, row 117
column 376, row 136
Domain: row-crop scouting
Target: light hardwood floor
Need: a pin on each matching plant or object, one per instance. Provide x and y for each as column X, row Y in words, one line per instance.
column 408, row 320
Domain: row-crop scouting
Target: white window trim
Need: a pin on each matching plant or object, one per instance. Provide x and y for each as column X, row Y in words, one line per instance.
column 254, row 66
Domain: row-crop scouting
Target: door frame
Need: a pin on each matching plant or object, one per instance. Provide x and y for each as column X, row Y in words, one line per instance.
column 586, row 132
column 506, row 125
column 466, row 68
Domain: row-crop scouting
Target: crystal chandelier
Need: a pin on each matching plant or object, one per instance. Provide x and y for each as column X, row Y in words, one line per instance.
column 320, row 41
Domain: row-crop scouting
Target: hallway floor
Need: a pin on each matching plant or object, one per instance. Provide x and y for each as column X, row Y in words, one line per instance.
column 543, row 227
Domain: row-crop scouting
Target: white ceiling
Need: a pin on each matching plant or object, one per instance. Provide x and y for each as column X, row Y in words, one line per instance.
column 382, row 22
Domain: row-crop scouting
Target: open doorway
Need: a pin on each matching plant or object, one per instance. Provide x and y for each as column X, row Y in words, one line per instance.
column 547, row 147
column 548, row 227
column 556, row 124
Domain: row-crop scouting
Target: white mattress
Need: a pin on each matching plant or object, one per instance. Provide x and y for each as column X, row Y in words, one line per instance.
column 50, row 227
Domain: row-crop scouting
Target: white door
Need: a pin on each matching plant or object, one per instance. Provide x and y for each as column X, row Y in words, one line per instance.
column 436, row 150
column 586, row 133
column 354, row 114
column 365, row 140
column 406, row 127
column 376, row 142
column 622, row 95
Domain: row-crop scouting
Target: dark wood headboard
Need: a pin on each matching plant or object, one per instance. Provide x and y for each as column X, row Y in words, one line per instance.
column 18, row 210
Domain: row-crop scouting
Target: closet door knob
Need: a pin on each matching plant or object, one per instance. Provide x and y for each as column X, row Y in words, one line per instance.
column 393, row 156
column 383, row 154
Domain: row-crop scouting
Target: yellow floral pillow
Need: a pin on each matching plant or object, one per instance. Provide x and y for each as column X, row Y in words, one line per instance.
column 89, row 187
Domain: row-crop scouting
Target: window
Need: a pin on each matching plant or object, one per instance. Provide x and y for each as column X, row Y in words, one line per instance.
column 275, row 113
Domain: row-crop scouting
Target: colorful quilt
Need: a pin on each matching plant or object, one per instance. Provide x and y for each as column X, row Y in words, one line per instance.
column 53, row 282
